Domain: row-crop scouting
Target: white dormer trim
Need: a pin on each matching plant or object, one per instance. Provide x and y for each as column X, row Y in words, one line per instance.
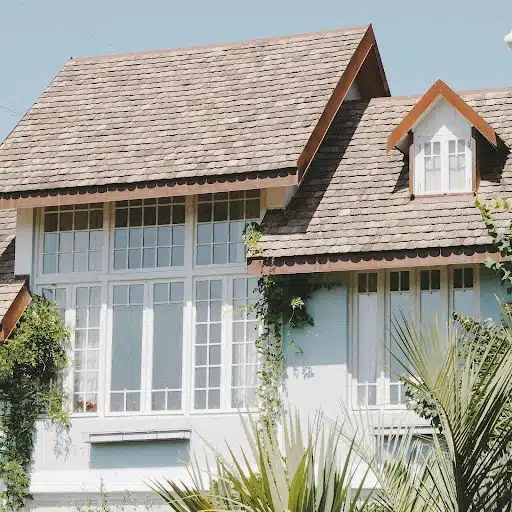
column 442, row 152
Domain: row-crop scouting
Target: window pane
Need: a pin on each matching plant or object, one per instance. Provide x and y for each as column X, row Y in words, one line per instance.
column 152, row 219
column 86, row 349
column 127, row 346
column 207, row 346
column 463, row 292
column 221, row 221
column 244, row 358
column 168, row 341
column 204, row 254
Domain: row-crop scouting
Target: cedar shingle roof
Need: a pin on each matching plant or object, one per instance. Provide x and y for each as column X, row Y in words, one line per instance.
column 183, row 113
column 355, row 198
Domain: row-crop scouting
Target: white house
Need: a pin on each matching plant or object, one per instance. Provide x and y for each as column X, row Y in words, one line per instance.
column 131, row 180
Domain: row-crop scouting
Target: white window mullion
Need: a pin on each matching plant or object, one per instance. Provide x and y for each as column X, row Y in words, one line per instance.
column 470, row 156
column 445, row 175
column 70, row 321
column 190, row 223
column 103, row 367
column 381, row 349
column 188, row 344
column 419, row 169
column 227, row 329
column 147, row 348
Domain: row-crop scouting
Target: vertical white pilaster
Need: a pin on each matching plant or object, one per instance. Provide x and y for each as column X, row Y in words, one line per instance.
column 24, row 241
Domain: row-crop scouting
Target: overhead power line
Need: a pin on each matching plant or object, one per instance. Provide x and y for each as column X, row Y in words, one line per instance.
column 11, row 110
column 67, row 25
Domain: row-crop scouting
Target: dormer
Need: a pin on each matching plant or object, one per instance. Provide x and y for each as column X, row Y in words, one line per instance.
column 438, row 137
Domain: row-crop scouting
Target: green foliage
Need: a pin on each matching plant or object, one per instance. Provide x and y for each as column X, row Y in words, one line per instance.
column 303, row 474
column 466, row 465
column 500, row 239
column 32, row 363
column 281, row 308
column 476, row 333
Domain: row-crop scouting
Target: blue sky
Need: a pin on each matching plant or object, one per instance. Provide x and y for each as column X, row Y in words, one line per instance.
column 460, row 41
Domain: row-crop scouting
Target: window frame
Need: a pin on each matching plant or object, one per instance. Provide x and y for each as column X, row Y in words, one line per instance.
column 417, row 152
column 384, row 321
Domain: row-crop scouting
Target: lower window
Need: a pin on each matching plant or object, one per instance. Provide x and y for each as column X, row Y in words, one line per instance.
column 381, row 303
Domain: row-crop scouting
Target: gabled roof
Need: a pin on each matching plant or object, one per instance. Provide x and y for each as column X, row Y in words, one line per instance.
column 439, row 89
column 159, row 122
column 354, row 210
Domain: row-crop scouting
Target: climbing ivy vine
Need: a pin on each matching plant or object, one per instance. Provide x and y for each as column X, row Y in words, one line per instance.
column 501, row 241
column 281, row 308
column 32, row 363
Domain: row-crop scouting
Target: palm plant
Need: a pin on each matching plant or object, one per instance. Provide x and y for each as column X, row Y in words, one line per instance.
column 300, row 474
column 465, row 465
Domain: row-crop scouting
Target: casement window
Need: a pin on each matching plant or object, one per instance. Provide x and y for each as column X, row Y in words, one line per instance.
column 225, row 367
column 399, row 307
column 149, row 233
column 381, row 302
column 208, row 344
column 443, row 165
column 86, row 348
column 244, row 353
column 156, row 297
column 72, row 238
column 368, row 337
column 221, row 219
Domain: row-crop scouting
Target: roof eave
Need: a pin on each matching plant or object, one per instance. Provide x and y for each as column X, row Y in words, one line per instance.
column 141, row 190
column 377, row 260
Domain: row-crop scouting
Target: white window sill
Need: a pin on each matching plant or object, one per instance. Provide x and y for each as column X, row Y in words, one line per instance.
column 137, row 435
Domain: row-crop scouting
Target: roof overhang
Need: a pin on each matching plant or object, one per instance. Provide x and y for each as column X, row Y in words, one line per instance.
column 371, row 261
column 365, row 65
column 125, row 191
column 17, row 307
column 400, row 139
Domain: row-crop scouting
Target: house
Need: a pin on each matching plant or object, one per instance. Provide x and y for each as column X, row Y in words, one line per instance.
column 130, row 181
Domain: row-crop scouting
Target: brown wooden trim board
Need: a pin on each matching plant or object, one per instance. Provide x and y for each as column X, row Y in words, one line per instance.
column 370, row 261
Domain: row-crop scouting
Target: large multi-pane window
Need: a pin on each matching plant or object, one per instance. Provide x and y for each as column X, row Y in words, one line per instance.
column 178, row 333
column 221, row 219
column 149, row 233
column 72, row 238
column 381, row 303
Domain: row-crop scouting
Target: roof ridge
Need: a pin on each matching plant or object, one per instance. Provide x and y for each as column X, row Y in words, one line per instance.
column 233, row 44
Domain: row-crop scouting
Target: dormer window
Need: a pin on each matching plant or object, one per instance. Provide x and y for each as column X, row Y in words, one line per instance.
column 443, row 166
column 438, row 136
